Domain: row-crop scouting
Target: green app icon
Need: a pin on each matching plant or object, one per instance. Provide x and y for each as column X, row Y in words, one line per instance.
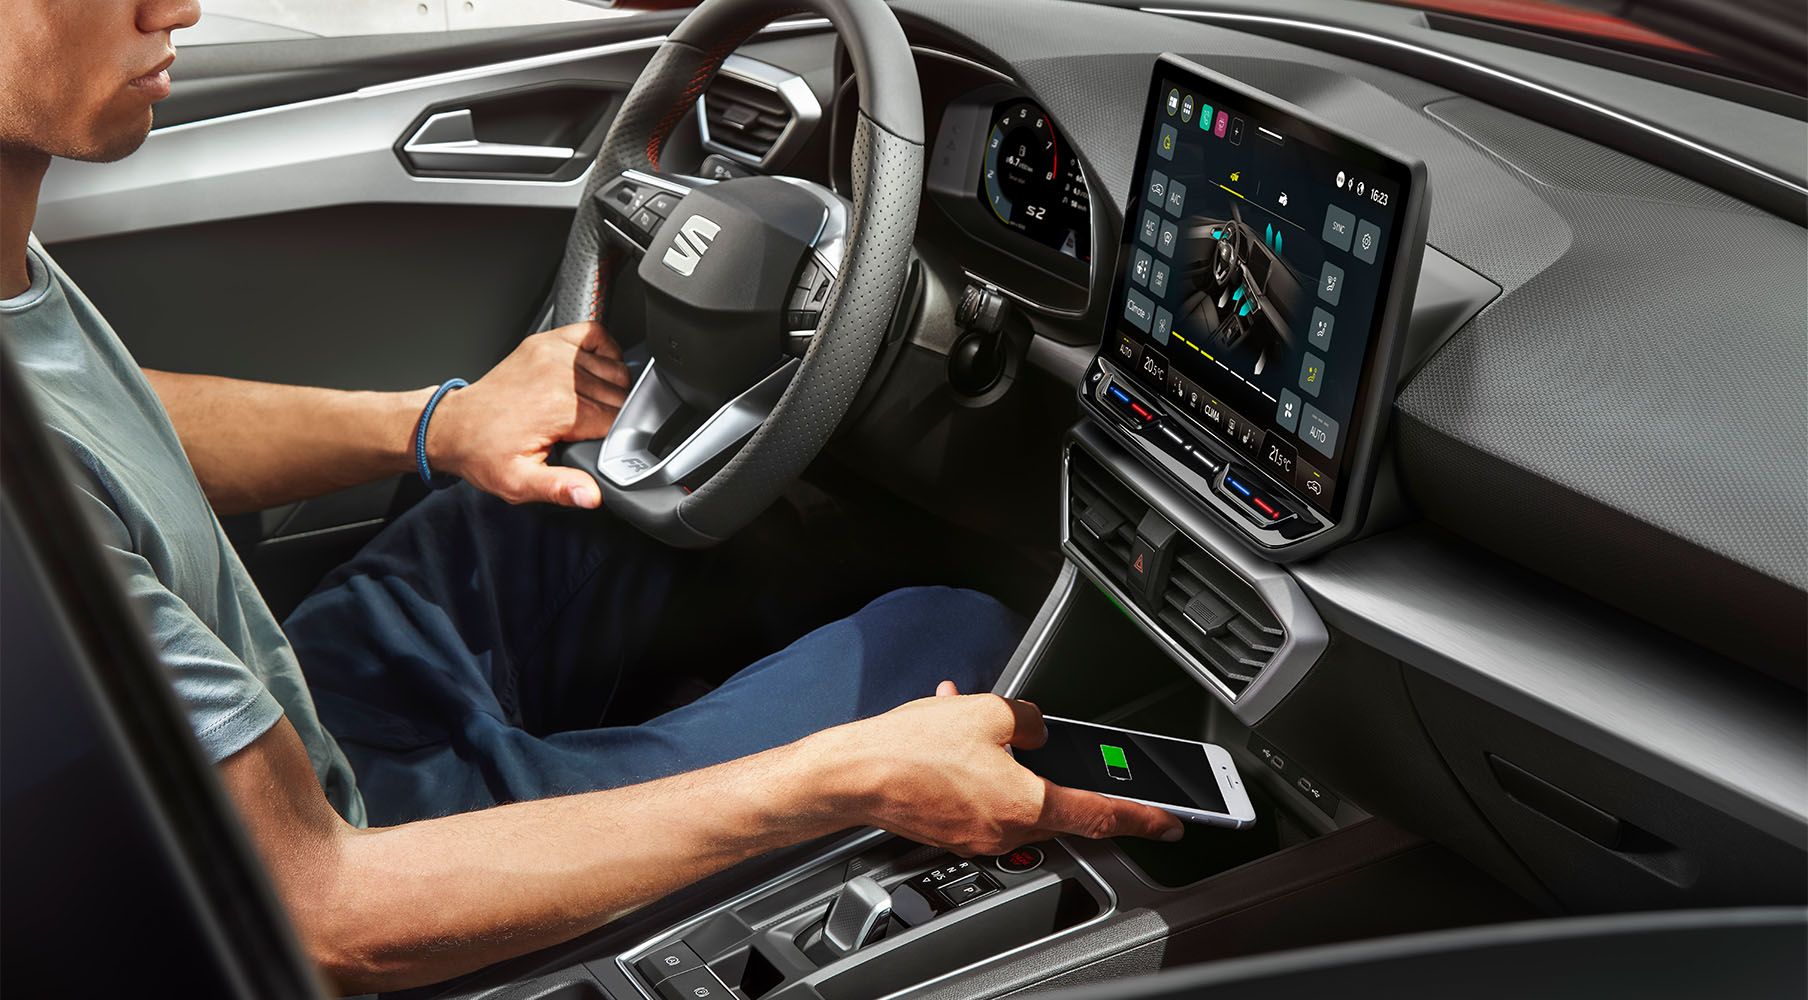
column 1205, row 117
column 1116, row 764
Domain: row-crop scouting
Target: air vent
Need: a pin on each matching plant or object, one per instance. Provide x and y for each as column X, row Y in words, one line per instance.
column 1217, row 617
column 743, row 117
column 1205, row 609
column 1102, row 516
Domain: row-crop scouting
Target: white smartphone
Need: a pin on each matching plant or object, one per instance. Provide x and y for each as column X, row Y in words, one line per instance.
column 1195, row 781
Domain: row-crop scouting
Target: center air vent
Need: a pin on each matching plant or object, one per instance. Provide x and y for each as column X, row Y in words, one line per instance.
column 751, row 109
column 1205, row 610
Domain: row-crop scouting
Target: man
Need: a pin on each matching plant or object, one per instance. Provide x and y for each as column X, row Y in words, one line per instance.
column 421, row 797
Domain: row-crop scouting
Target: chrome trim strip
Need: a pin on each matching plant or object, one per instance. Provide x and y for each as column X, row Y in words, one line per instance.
column 799, row 99
column 1499, row 74
column 1030, row 649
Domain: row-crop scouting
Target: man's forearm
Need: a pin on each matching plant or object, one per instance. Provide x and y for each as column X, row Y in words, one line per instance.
column 255, row 445
column 422, row 902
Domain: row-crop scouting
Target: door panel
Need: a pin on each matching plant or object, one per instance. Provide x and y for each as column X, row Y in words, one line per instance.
column 293, row 243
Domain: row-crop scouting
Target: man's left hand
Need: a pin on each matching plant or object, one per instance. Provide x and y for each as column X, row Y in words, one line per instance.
column 562, row 385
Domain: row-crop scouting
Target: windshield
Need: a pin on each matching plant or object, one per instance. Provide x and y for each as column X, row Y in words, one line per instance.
column 1757, row 41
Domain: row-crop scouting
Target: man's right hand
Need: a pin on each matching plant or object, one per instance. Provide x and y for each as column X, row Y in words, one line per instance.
column 936, row 771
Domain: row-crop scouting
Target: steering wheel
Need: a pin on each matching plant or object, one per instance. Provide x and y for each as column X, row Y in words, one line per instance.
column 767, row 298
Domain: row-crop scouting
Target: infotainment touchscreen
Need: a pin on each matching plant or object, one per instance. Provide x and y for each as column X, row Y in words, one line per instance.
column 1259, row 257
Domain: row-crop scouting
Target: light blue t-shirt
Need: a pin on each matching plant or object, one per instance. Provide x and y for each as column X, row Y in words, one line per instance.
column 233, row 670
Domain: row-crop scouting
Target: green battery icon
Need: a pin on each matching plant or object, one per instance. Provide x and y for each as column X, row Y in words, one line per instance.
column 1116, row 764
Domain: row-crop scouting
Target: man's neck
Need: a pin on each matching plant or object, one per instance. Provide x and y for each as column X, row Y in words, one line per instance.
column 21, row 174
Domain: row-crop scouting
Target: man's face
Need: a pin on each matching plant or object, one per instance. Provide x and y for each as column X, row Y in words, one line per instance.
column 78, row 77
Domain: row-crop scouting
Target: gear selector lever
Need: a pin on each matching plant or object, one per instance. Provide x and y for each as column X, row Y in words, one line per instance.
column 857, row 915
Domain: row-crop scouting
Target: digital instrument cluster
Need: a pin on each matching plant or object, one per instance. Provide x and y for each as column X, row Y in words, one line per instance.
column 1032, row 182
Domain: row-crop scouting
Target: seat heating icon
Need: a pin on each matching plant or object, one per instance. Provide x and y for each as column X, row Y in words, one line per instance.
column 1116, row 764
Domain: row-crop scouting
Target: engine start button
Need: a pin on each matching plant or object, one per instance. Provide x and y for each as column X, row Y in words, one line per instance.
column 1023, row 859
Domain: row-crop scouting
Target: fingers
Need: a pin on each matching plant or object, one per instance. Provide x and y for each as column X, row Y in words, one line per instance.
column 589, row 337
column 608, row 370
column 592, row 421
column 552, row 484
column 946, row 689
column 1020, row 724
column 598, row 391
column 1088, row 814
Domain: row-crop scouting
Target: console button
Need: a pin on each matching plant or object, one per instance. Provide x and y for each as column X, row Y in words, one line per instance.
column 1129, row 350
column 697, row 984
column 1027, row 858
column 1211, row 413
column 967, row 889
column 1314, row 483
column 667, row 962
column 1142, row 565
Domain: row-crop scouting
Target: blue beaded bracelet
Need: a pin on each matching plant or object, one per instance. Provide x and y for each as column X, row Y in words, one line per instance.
column 420, row 435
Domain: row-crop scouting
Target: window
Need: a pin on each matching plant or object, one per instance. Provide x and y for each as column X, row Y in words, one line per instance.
column 227, row 21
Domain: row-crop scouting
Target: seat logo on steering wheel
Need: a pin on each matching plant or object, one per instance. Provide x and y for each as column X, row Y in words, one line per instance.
column 690, row 243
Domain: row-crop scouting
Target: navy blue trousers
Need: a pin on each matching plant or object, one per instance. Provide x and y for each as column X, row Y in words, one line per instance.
column 465, row 658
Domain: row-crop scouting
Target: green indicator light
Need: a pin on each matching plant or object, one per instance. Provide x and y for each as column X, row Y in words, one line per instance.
column 1116, row 764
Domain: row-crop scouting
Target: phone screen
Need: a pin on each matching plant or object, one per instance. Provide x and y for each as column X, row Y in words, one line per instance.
column 1131, row 765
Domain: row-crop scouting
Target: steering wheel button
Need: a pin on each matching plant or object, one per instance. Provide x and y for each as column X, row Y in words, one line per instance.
column 662, row 203
column 645, row 221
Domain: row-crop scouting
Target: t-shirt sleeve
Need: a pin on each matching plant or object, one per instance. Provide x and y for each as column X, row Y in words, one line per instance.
column 227, row 704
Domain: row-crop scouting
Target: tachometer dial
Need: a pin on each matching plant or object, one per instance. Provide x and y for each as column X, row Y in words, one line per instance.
column 1033, row 184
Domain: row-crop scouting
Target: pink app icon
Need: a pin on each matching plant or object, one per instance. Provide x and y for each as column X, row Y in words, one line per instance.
column 1221, row 123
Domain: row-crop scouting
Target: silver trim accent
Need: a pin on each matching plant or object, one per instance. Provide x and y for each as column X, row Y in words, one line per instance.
column 1499, row 74
column 665, row 184
column 1306, row 635
column 793, row 90
column 448, row 141
column 627, row 460
column 1030, row 649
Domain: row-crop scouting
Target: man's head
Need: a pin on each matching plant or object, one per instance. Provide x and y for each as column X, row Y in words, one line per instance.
column 78, row 77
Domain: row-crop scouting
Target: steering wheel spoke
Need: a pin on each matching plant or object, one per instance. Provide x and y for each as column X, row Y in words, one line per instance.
column 638, row 452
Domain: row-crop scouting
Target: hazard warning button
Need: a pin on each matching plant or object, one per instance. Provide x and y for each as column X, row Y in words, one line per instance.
column 1142, row 565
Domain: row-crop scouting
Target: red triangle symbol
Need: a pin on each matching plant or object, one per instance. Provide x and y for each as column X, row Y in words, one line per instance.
column 1138, row 564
